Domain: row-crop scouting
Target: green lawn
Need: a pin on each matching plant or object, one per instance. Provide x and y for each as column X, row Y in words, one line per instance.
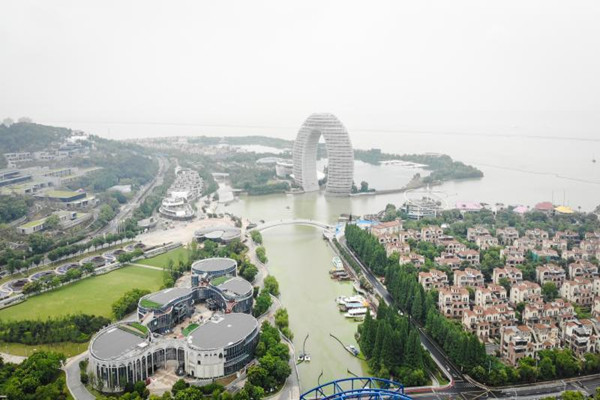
column 93, row 295
column 69, row 349
column 220, row 280
column 190, row 327
column 163, row 259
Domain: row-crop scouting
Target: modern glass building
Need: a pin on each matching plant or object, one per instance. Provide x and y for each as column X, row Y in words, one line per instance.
column 124, row 352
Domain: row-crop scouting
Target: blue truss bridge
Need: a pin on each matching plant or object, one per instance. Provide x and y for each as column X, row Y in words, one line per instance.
column 364, row 388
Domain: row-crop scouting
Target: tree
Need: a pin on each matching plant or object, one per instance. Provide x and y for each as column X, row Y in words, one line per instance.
column 505, row 283
column 261, row 254
column 364, row 187
column 547, row 369
column 179, row 385
column 256, row 237
column 549, row 291
column 262, row 304
column 52, row 222
column 271, row 285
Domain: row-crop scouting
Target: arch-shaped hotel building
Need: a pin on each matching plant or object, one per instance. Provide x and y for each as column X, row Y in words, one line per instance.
column 340, row 167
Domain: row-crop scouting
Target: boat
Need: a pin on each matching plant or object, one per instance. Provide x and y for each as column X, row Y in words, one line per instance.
column 307, row 357
column 352, row 350
column 348, row 303
column 358, row 314
column 337, row 263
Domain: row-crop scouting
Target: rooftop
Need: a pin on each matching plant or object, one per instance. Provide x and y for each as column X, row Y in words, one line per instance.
column 237, row 286
column 165, row 296
column 62, row 194
column 223, row 331
column 213, row 264
column 115, row 342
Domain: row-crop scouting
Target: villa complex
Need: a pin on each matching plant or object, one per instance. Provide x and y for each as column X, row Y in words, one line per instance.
column 487, row 305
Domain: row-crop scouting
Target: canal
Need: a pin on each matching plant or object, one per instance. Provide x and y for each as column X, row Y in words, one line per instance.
column 300, row 260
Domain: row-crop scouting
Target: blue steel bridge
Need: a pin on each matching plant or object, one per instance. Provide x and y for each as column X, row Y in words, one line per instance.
column 364, row 388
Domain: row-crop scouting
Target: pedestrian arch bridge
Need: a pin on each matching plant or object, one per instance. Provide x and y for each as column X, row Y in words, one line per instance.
column 281, row 222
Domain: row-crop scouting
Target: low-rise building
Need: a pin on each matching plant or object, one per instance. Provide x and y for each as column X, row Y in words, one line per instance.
column 449, row 260
column 521, row 341
column 514, row 275
column 397, row 247
column 525, row 292
column 484, row 242
column 469, row 277
column 453, row 301
column 547, row 313
column 507, row 235
column 476, row 231
column 544, row 255
column 576, row 254
column 516, row 342
column 578, row 291
column 577, row 337
column 486, row 322
column 569, row 236
column 387, row 228
column 452, row 246
column 525, row 243
column 431, row 233
column 537, row 234
column 470, row 256
column 491, row 295
column 550, row 273
column 433, row 280
column 412, row 258
column 583, row 269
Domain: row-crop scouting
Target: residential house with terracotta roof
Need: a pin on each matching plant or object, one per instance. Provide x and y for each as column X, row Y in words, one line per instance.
column 576, row 337
column 470, row 256
column 449, row 260
column 397, row 247
column 433, row 280
column 550, row 273
column 525, row 292
column 545, row 255
column 514, row 275
column 507, row 235
column 583, row 269
column 387, row 228
column 469, row 277
column 491, row 295
column 453, row 301
column 476, row 231
column 486, row 322
column 484, row 242
column 431, row 233
column 578, row 291
column 539, row 235
column 412, row 258
column 568, row 236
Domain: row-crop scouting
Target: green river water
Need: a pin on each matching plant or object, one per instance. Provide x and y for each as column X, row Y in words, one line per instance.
column 300, row 260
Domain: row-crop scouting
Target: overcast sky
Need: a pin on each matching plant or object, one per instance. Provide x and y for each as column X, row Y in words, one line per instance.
column 519, row 67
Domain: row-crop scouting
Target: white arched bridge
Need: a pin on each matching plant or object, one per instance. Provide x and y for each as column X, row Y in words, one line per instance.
column 305, row 222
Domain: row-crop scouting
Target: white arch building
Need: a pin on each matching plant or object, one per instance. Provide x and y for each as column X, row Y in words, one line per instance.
column 339, row 152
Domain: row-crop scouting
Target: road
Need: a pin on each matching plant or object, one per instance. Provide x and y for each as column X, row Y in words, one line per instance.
column 77, row 389
column 127, row 209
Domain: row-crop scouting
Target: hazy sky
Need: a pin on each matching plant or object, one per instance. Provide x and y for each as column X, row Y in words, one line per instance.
column 519, row 67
